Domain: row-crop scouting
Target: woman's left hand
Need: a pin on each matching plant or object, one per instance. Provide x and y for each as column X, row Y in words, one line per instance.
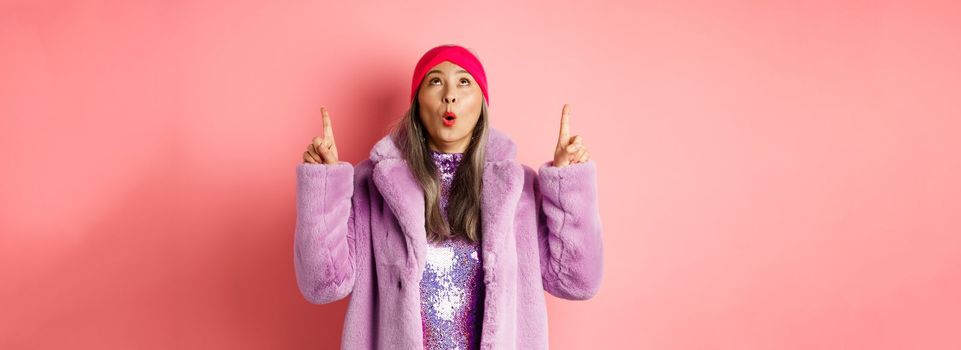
column 570, row 150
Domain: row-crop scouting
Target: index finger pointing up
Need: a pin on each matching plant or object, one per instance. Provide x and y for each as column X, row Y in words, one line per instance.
column 565, row 133
column 328, row 128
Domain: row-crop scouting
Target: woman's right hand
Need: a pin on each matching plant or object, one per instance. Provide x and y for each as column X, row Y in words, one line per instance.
column 323, row 150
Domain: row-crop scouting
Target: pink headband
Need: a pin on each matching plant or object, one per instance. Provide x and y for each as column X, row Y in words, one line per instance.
column 457, row 55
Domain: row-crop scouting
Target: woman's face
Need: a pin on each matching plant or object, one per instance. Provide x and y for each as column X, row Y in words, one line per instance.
column 449, row 89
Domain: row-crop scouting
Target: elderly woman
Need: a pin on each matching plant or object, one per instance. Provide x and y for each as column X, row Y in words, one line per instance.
column 442, row 239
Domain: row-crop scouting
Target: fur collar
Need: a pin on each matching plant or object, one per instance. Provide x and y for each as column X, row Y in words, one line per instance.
column 503, row 181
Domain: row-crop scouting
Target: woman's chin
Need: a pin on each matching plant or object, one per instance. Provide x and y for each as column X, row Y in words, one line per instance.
column 449, row 136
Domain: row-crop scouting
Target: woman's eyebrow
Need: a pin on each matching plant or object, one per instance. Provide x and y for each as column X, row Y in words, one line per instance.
column 437, row 71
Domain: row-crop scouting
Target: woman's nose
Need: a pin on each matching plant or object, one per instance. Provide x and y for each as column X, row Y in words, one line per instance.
column 449, row 99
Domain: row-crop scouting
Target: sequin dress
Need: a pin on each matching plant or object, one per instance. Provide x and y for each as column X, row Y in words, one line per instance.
column 452, row 286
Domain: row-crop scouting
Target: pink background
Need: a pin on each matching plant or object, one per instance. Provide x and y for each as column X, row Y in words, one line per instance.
column 772, row 175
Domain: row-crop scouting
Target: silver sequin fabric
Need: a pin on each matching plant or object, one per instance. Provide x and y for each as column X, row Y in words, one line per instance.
column 451, row 288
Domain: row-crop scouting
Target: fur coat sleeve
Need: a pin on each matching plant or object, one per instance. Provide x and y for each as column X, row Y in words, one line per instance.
column 569, row 230
column 324, row 258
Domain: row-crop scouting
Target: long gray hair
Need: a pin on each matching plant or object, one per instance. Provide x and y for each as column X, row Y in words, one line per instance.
column 464, row 199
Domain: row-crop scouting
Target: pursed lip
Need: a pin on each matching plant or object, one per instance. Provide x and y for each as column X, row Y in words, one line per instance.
column 450, row 114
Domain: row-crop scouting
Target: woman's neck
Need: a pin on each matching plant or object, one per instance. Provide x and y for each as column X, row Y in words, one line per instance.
column 459, row 146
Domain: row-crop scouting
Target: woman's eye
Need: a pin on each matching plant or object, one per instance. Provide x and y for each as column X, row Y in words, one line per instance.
column 463, row 81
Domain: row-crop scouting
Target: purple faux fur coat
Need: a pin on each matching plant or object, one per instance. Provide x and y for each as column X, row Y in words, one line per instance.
column 361, row 231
